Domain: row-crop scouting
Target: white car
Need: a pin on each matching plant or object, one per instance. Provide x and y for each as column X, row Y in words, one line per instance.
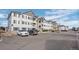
column 22, row 33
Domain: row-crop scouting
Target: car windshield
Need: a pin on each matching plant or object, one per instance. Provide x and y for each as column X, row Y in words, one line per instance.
column 22, row 30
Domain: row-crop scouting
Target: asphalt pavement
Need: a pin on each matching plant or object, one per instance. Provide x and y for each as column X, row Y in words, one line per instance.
column 43, row 41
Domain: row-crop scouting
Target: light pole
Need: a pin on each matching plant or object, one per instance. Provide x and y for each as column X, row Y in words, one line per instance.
column 76, row 40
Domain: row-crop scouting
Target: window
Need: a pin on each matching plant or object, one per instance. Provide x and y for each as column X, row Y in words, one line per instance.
column 15, row 28
column 29, row 17
column 40, row 26
column 22, row 22
column 22, row 16
column 33, row 24
column 18, row 22
column 28, row 23
column 14, row 14
column 39, row 21
column 14, row 21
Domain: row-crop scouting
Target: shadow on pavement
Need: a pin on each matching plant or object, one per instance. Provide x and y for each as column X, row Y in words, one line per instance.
column 61, row 45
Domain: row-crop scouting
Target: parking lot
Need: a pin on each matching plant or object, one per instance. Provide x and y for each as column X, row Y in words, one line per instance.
column 43, row 41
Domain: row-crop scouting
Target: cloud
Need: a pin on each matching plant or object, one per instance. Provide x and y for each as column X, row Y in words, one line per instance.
column 60, row 11
column 66, row 17
column 4, row 23
column 3, row 20
column 3, row 15
column 71, row 24
column 55, row 14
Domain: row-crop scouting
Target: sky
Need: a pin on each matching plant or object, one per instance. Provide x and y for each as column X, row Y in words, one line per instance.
column 68, row 17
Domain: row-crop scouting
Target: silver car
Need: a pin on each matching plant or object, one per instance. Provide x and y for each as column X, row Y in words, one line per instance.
column 22, row 33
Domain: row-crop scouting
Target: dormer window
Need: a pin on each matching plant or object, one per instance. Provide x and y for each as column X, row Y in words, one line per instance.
column 29, row 17
column 15, row 14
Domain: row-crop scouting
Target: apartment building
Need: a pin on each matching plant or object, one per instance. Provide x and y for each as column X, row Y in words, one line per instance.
column 39, row 23
column 44, row 25
column 47, row 25
column 63, row 28
column 55, row 26
column 21, row 21
column 28, row 20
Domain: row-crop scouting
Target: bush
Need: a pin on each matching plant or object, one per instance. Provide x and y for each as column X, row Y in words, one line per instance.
column 45, row 30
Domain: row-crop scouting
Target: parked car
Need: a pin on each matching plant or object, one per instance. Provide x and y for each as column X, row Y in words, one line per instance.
column 22, row 33
column 33, row 31
column 74, row 29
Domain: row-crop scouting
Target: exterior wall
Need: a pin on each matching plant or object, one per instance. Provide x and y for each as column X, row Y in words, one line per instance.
column 39, row 24
column 55, row 26
column 63, row 28
column 35, row 23
column 47, row 26
column 44, row 25
column 27, row 23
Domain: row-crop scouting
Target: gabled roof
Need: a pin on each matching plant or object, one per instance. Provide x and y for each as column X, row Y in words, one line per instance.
column 29, row 13
column 41, row 18
column 13, row 12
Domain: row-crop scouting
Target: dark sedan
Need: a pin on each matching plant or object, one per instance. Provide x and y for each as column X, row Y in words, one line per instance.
column 33, row 31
